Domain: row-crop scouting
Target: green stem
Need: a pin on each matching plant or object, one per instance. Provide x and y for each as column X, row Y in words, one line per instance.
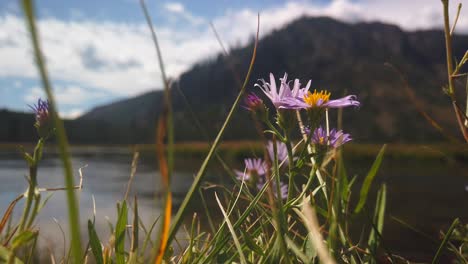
column 290, row 168
column 73, row 211
column 273, row 128
column 448, row 45
column 306, row 187
column 35, row 211
column 30, row 196
column 280, row 216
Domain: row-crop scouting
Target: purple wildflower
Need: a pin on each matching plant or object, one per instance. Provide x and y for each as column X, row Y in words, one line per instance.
column 281, row 151
column 284, row 97
column 335, row 139
column 322, row 100
column 41, row 112
column 284, row 190
column 253, row 168
column 252, row 102
column 283, row 187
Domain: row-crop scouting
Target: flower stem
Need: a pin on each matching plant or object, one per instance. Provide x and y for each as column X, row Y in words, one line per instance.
column 281, row 221
column 448, row 46
column 30, row 195
column 291, row 164
column 37, row 200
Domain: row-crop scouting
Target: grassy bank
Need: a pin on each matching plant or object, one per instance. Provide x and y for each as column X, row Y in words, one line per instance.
column 234, row 150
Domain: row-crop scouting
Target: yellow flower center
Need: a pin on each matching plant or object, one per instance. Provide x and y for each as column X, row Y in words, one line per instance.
column 321, row 140
column 313, row 98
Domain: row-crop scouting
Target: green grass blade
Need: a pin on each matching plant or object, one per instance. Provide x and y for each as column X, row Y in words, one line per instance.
column 415, row 230
column 120, row 228
column 148, row 235
column 445, row 241
column 95, row 243
column 379, row 217
column 5, row 255
column 250, row 243
column 73, row 210
column 233, row 233
column 198, row 178
column 214, row 251
column 23, row 238
column 135, row 228
column 368, row 181
column 296, row 250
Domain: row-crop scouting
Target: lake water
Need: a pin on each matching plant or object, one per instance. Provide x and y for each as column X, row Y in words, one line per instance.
column 105, row 178
column 426, row 195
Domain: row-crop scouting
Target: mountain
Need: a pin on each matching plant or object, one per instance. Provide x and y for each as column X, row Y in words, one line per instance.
column 342, row 58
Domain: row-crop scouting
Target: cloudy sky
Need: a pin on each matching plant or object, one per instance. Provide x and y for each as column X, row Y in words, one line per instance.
column 101, row 51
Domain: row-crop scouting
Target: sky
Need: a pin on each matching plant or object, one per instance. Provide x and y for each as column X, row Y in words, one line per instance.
column 101, row 51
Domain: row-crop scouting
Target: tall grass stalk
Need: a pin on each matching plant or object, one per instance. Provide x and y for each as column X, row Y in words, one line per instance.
column 72, row 204
column 309, row 217
column 198, row 178
column 165, row 128
column 462, row 118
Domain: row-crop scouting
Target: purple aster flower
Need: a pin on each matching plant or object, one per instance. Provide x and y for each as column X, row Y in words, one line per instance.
column 41, row 113
column 252, row 102
column 284, row 97
column 281, row 151
column 322, row 100
column 253, row 168
column 335, row 139
column 283, row 187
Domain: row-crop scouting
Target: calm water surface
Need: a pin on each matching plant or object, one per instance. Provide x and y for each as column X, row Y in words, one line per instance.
column 426, row 195
column 105, row 178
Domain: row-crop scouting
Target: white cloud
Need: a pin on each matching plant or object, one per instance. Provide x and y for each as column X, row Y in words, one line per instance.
column 178, row 10
column 65, row 95
column 174, row 7
column 72, row 114
column 120, row 58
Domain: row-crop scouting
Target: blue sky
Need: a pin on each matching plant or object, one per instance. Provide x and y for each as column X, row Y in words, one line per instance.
column 101, row 51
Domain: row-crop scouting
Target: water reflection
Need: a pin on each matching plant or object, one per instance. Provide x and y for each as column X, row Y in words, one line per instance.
column 105, row 178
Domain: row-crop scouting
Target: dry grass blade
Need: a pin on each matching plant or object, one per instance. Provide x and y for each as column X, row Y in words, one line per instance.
column 418, row 105
column 309, row 217
column 164, row 170
column 226, row 57
column 461, row 119
column 165, row 128
column 456, row 19
column 136, row 154
column 8, row 212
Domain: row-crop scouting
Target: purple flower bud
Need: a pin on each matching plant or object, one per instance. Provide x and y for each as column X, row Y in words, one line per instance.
column 41, row 112
column 42, row 115
column 252, row 102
